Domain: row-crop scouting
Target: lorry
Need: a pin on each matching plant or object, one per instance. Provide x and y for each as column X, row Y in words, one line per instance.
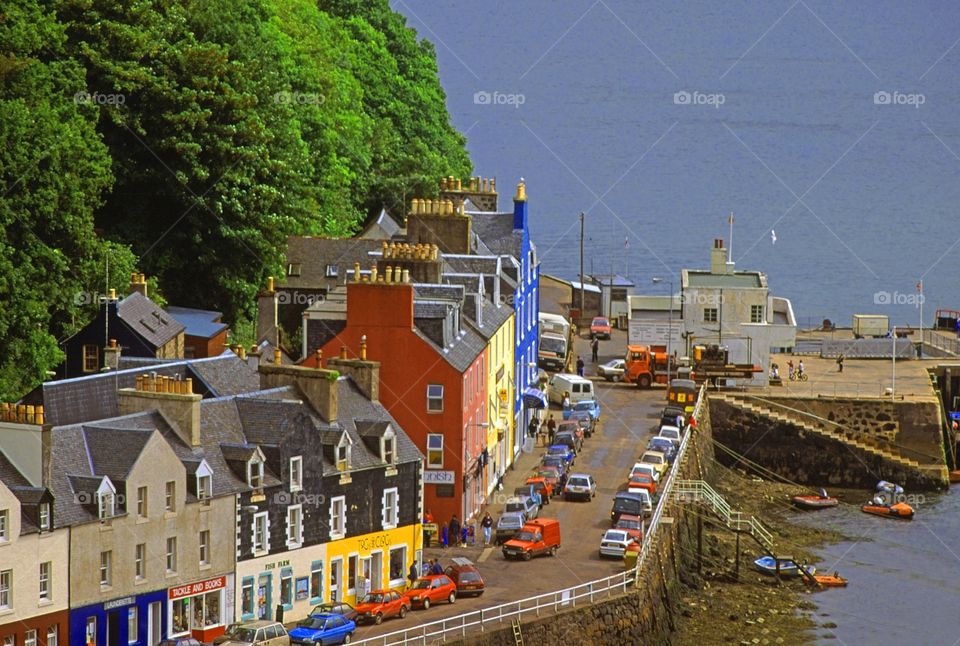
column 647, row 365
column 552, row 351
column 554, row 324
column 870, row 325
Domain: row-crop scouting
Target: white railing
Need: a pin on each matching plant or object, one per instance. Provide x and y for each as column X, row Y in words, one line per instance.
column 493, row 618
column 700, row 491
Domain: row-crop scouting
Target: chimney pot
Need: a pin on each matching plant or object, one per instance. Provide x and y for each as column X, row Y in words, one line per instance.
column 39, row 415
column 113, row 294
column 143, row 278
column 493, row 185
column 29, row 414
column 343, row 352
column 270, row 284
column 389, row 276
column 356, row 272
column 319, row 357
column 406, row 275
column 243, row 353
column 363, row 347
column 373, row 274
column 189, row 385
column 277, row 356
column 133, row 277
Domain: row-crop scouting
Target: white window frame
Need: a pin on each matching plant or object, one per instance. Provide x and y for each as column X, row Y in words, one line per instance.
column 171, row 558
column 4, row 525
column 170, row 496
column 45, row 522
column 106, row 569
column 390, row 508
column 338, row 517
column 391, row 456
column 261, row 546
column 434, row 397
column 133, row 624
column 435, row 465
column 294, row 532
column 756, row 314
column 713, row 314
column 397, row 548
column 45, row 589
column 53, row 635
column 255, row 473
column 6, row 589
column 106, row 500
column 296, row 473
column 143, row 505
column 343, row 459
column 30, row 638
column 140, row 561
column 204, row 540
column 204, row 475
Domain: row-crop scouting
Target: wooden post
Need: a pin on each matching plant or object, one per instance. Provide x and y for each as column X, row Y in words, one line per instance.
column 699, row 543
column 736, row 566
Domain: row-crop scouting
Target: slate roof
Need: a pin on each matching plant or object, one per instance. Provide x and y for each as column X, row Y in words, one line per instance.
column 466, row 348
column 10, row 475
column 493, row 318
column 432, row 291
column 497, row 232
column 314, row 254
column 113, row 452
column 148, row 319
column 382, row 227
column 202, row 323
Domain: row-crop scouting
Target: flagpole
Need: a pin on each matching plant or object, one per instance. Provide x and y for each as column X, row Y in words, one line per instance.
column 920, row 285
column 730, row 248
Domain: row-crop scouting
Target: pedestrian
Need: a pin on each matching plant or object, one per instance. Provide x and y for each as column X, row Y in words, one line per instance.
column 437, row 568
column 487, row 524
column 428, row 528
column 595, row 348
column 534, row 426
column 454, row 532
column 790, row 369
column 800, row 368
column 444, row 539
column 551, row 428
column 580, row 365
column 840, row 363
column 412, row 575
column 679, row 420
column 566, row 400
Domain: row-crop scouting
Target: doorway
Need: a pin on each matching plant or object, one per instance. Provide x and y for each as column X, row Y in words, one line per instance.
column 376, row 571
column 154, row 623
column 336, row 577
column 264, row 597
column 113, row 628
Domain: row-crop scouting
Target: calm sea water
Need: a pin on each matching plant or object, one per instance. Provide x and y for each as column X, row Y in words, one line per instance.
column 658, row 121
column 778, row 124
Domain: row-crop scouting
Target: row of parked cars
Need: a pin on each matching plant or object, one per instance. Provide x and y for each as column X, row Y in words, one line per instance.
column 634, row 504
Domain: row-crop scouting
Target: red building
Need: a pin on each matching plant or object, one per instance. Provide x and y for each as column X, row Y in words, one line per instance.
column 432, row 377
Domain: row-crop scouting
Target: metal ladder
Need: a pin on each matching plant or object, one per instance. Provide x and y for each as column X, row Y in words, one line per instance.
column 517, row 633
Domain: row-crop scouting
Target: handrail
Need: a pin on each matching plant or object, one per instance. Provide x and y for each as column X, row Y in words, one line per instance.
column 735, row 520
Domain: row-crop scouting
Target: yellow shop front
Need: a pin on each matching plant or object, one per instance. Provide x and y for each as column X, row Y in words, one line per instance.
column 375, row 561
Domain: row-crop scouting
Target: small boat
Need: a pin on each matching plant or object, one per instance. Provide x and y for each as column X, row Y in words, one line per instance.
column 830, row 580
column 954, row 477
column 768, row 565
column 889, row 487
column 820, row 501
column 900, row 510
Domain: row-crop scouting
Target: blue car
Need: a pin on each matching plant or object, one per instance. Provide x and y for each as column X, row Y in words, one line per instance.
column 592, row 406
column 324, row 629
column 663, row 445
column 562, row 451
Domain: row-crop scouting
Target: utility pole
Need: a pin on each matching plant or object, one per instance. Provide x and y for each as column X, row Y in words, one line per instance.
column 581, row 265
column 893, row 388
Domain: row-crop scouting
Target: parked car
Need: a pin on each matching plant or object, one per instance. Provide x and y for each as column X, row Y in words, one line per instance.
column 227, row 634
column 322, row 630
column 671, row 433
column 573, row 427
column 568, row 440
column 665, row 446
column 336, row 608
column 543, row 486
column 591, row 406
column 600, row 328
column 648, row 469
column 526, row 506
column 643, row 481
column 507, row 526
column 614, row 542
column 382, row 604
column 658, row 460
column 668, row 416
column 466, row 576
column 180, row 641
column 550, row 475
column 575, row 386
column 259, row 633
column 431, row 589
column 529, row 491
column 632, row 525
column 585, row 421
column 580, row 485
column 562, row 451
column 539, row 536
column 558, row 462
column 612, row 370
column 631, row 503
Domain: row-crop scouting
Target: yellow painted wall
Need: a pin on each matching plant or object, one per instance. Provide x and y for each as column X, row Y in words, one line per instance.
column 365, row 546
column 500, row 410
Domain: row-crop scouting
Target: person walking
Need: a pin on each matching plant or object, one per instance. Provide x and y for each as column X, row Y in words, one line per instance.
column 595, row 349
column 790, row 369
column 444, row 538
column 412, row 575
column 534, row 427
column 580, row 365
column 800, row 368
column 437, row 568
column 840, row 363
column 566, row 400
column 551, row 429
column 454, row 532
column 428, row 528
column 487, row 524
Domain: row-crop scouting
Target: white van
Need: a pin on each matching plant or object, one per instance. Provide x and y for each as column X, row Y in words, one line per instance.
column 578, row 387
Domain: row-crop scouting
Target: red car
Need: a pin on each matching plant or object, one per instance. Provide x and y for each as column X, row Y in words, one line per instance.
column 466, row 576
column 430, row 589
column 381, row 604
column 632, row 525
column 600, row 328
column 642, row 481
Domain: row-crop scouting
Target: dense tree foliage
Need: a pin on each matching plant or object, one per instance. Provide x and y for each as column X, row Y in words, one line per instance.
column 188, row 139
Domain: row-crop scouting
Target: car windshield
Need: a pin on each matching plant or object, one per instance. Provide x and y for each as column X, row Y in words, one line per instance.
column 628, row 524
column 599, row 321
column 616, row 536
column 245, row 635
column 579, row 482
column 546, row 474
column 652, row 459
column 469, row 577
column 422, row 584
column 557, row 450
column 530, row 537
column 627, row 504
column 583, row 405
column 373, row 598
column 551, row 344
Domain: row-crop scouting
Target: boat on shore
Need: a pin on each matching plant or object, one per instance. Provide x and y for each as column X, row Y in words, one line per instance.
column 828, row 581
column 899, row 511
column 821, row 501
column 768, row 565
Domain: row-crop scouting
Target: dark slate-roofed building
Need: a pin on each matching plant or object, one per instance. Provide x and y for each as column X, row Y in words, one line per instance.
column 205, row 334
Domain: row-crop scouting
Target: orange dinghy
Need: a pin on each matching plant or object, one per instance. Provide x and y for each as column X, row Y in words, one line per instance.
column 830, row 580
column 900, row 510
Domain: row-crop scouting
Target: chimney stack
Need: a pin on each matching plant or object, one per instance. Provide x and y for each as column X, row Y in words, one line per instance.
column 138, row 283
column 174, row 398
column 718, row 258
column 364, row 373
column 318, row 385
column 111, row 355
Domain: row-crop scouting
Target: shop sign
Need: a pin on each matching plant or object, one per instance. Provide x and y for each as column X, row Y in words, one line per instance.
column 373, row 542
column 119, row 603
column 438, row 477
column 198, row 588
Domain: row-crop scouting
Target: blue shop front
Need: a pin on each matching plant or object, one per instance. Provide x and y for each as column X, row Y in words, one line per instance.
column 136, row 619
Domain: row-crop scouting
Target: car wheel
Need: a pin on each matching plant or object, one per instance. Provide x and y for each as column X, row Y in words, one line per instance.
column 403, row 611
column 617, row 378
column 426, row 603
column 378, row 619
column 453, row 597
column 644, row 381
column 527, row 556
column 349, row 638
column 553, row 551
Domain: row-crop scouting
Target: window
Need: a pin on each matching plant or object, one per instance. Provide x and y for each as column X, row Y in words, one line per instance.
column 205, row 547
column 45, row 524
column 4, row 525
column 293, row 269
column 45, row 569
column 391, row 508
column 343, row 453
column 294, row 526
column 140, row 561
column 132, row 625
column 91, row 630
column 398, row 565
column 286, row 588
column 170, row 499
column 106, row 504
column 6, row 589
column 434, row 451
column 331, row 271
column 709, row 314
column 389, row 450
column 247, row 599
column 296, row 473
column 106, row 568
column 316, row 581
column 52, row 636
column 204, row 486
column 30, row 638
column 338, row 517
column 351, row 573
column 756, row 314
column 171, row 554
column 434, row 398
column 260, row 523
column 91, row 358
column 255, row 474
column 141, row 502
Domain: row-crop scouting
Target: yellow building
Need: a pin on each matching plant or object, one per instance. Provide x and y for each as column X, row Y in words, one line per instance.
column 375, row 561
column 500, row 384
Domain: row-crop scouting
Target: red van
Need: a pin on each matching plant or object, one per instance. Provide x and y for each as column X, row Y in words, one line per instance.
column 538, row 536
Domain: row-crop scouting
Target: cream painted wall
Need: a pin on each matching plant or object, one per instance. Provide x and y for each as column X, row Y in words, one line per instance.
column 500, row 354
column 157, row 465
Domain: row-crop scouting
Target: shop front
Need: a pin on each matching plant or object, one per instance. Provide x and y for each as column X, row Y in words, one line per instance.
column 134, row 619
column 375, row 561
column 49, row 629
column 292, row 581
column 199, row 610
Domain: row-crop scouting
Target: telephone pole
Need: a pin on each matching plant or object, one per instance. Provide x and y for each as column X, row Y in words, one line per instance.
column 581, row 265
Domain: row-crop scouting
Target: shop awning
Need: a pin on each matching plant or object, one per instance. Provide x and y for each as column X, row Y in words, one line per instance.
column 533, row 398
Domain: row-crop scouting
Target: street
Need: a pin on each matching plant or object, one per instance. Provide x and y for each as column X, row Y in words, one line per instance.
column 629, row 417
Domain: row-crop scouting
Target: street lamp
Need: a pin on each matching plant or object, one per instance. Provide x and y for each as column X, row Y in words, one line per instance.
column 657, row 280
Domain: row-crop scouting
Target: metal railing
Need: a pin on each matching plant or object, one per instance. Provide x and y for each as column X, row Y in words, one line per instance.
column 700, row 491
column 941, row 341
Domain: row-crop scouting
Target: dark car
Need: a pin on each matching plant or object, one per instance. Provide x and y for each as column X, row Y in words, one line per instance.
column 626, row 503
column 559, row 463
column 585, row 421
column 562, row 451
column 569, row 440
column 467, row 577
column 336, row 608
column 669, row 415
column 571, row 428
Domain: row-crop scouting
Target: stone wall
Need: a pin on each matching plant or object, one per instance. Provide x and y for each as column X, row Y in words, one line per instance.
column 643, row 616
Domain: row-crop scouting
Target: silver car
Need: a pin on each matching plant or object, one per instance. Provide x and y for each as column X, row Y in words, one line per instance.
column 612, row 370
column 580, row 485
column 527, row 507
column 259, row 633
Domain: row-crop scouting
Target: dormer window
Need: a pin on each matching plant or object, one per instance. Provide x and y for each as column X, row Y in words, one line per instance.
column 255, row 474
column 293, row 269
column 204, row 477
column 296, row 473
column 331, row 271
column 388, row 449
column 343, row 457
column 45, row 523
column 106, row 500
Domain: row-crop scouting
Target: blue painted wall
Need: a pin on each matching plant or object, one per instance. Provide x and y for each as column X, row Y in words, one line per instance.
column 526, row 301
column 79, row 616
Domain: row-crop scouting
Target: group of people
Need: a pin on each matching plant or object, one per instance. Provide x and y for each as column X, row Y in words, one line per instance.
column 546, row 431
column 595, row 356
column 791, row 369
column 451, row 534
